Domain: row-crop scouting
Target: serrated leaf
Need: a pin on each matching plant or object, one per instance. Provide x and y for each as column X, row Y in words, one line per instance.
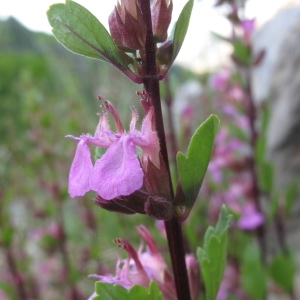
column 192, row 168
column 180, row 28
column 110, row 291
column 282, row 270
column 212, row 257
column 81, row 32
column 253, row 277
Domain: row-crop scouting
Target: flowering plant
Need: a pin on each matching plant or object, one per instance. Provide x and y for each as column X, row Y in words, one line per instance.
column 139, row 46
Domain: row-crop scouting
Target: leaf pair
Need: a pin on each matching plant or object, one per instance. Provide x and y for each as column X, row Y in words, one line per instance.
column 81, row 32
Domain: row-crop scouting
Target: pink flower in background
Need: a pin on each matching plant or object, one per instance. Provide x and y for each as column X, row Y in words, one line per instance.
column 220, row 80
column 118, row 172
column 250, row 218
column 248, row 26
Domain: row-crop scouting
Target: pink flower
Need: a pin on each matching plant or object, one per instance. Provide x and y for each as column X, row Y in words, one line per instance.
column 141, row 267
column 248, row 26
column 220, row 80
column 250, row 218
column 145, row 265
column 118, row 171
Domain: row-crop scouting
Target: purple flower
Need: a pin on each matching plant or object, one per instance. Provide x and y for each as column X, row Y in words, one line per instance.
column 248, row 26
column 250, row 218
column 145, row 265
column 220, row 80
column 118, row 172
column 141, row 267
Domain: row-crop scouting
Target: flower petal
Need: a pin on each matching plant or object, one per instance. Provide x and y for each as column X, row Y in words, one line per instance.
column 80, row 171
column 118, row 171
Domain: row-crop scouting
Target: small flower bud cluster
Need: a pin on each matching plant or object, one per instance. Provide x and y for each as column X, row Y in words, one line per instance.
column 129, row 30
column 127, row 23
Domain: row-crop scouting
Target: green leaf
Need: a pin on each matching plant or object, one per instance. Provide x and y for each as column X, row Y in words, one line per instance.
column 110, row 291
column 260, row 146
column 81, row 32
column 253, row 277
column 7, row 234
column 212, row 257
column 290, row 197
column 266, row 175
column 192, row 168
column 180, row 29
column 241, row 51
column 220, row 37
column 273, row 206
column 282, row 270
column 8, row 290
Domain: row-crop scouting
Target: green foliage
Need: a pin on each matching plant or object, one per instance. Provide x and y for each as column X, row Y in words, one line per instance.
column 282, row 270
column 266, row 175
column 81, row 32
column 212, row 257
column 7, row 234
column 180, row 29
column 192, row 168
column 109, row 291
column 253, row 277
column 241, row 52
column 260, row 146
column 290, row 197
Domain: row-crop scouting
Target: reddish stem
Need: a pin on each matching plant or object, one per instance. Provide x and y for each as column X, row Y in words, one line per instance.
column 173, row 227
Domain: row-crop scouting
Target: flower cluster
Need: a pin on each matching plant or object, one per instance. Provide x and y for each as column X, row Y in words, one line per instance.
column 142, row 266
column 127, row 25
column 119, row 171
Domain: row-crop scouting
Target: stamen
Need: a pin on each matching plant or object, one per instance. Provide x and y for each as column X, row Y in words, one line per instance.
column 133, row 119
column 145, row 100
column 131, row 251
column 108, row 106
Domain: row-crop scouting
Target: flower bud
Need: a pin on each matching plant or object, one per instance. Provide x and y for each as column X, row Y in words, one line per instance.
column 126, row 25
column 161, row 12
column 158, row 208
column 192, row 266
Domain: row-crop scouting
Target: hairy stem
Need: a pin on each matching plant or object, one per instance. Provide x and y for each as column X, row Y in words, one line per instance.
column 169, row 102
column 173, row 227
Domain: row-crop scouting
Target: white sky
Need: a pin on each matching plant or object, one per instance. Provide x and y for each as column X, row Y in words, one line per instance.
column 204, row 19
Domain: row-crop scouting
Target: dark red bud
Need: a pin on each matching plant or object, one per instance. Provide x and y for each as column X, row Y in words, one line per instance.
column 127, row 27
column 161, row 17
